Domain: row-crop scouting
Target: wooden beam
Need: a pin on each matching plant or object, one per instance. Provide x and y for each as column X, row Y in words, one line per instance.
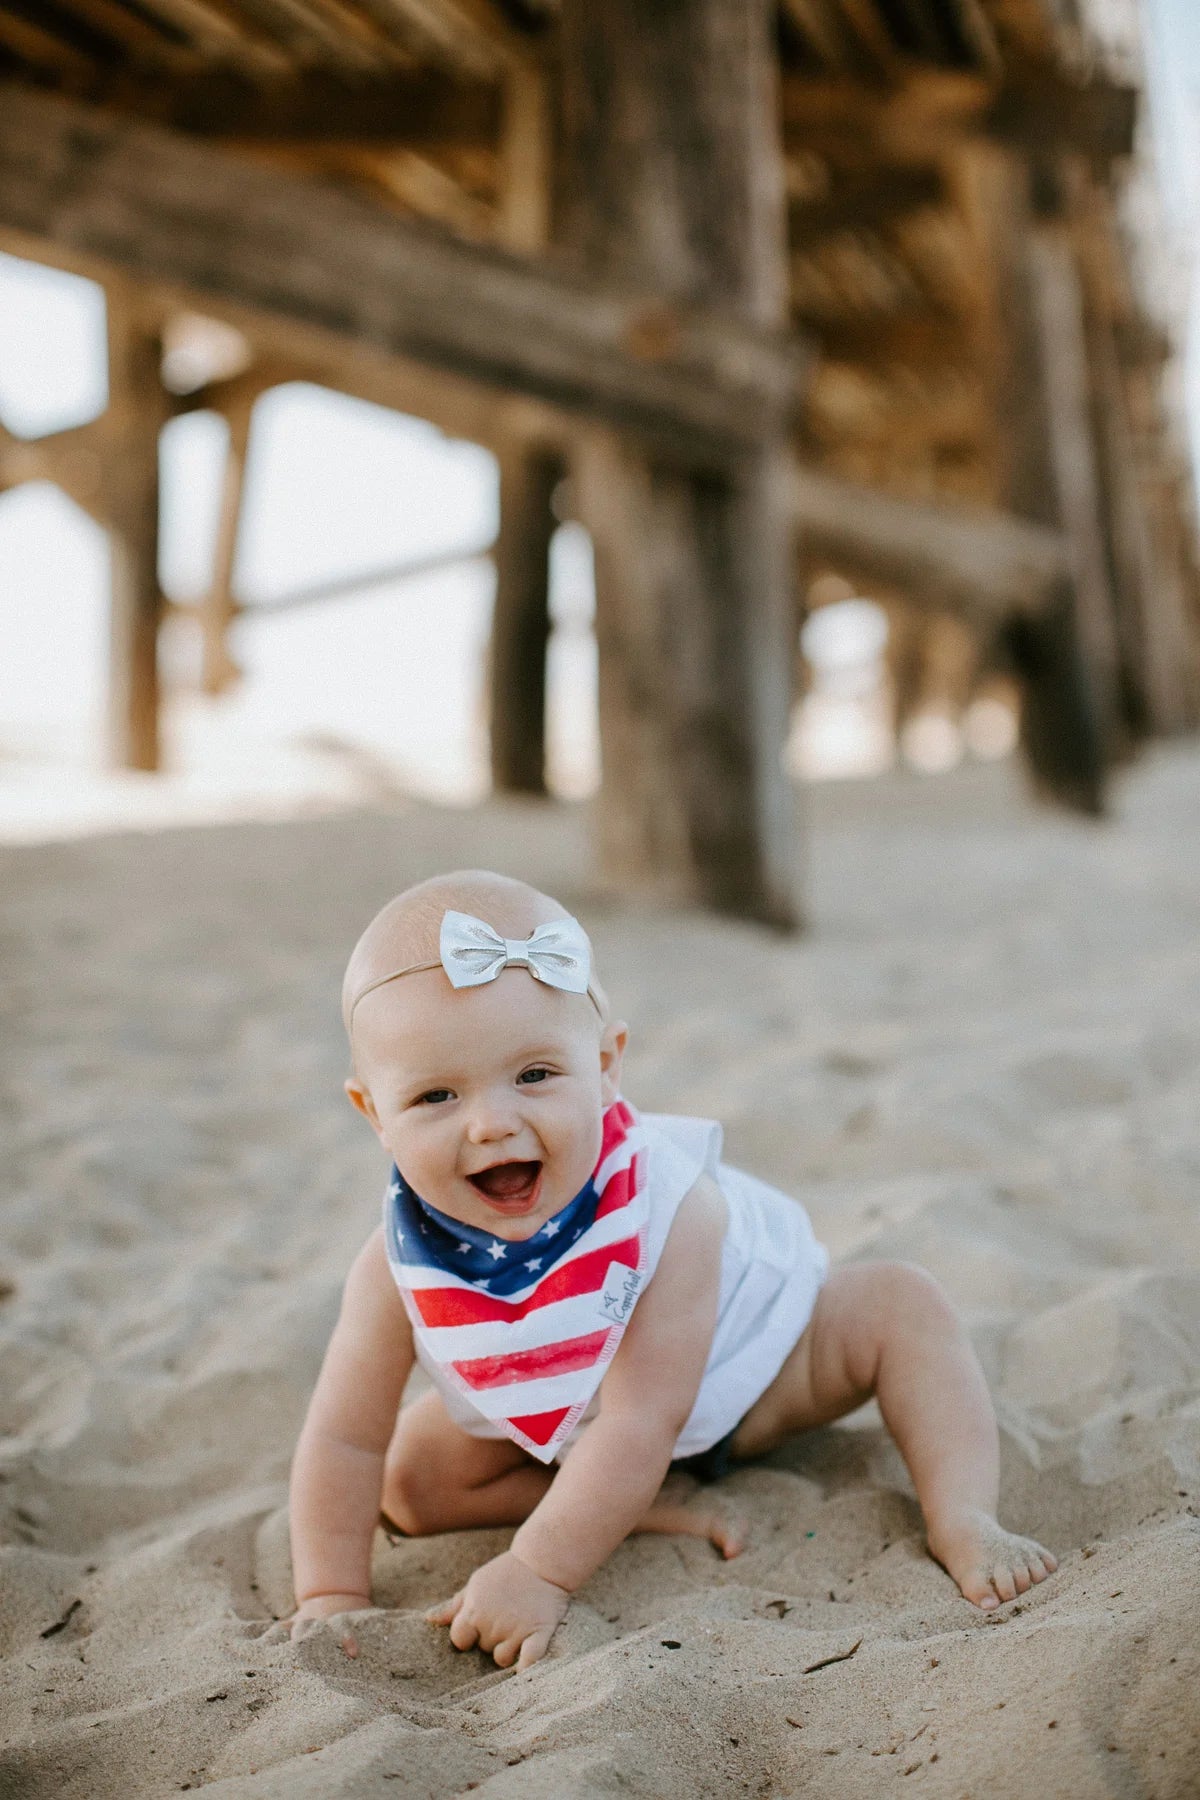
column 420, row 109
column 412, row 568
column 914, row 337
column 469, row 35
column 169, row 210
column 233, row 42
column 864, row 200
column 459, row 408
column 977, row 33
column 986, row 565
column 822, row 30
column 675, row 172
column 934, row 111
column 1045, row 110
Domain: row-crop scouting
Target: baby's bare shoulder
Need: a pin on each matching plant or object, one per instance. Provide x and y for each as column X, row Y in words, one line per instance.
column 690, row 1263
column 698, row 1228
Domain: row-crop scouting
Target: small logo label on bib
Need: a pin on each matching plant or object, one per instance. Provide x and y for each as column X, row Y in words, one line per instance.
column 621, row 1286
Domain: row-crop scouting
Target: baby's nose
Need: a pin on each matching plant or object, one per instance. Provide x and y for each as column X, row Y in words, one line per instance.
column 492, row 1119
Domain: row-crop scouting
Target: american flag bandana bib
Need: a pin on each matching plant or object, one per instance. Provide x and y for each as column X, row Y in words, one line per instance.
column 526, row 1330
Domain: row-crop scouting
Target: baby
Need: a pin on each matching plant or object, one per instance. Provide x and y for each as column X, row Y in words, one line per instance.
column 585, row 1288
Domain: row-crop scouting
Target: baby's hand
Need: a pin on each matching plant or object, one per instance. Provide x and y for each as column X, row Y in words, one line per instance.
column 504, row 1608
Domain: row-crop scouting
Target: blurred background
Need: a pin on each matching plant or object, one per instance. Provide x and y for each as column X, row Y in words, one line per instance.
column 328, row 562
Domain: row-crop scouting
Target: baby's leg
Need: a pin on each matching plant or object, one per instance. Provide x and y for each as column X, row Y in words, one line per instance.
column 887, row 1329
column 438, row 1478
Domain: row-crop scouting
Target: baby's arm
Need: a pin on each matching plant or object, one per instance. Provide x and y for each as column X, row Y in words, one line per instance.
column 337, row 1471
column 512, row 1605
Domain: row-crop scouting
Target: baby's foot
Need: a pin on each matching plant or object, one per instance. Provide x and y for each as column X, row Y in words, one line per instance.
column 989, row 1564
column 724, row 1530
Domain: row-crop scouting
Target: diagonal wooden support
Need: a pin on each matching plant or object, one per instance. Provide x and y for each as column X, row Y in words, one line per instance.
column 983, row 564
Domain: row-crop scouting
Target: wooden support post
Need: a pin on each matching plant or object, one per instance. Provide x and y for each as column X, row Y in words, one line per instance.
column 675, row 181
column 1156, row 638
column 529, row 475
column 1068, row 658
column 1066, row 378
column 1173, row 648
column 1130, row 553
column 219, row 608
column 137, row 412
column 1035, row 349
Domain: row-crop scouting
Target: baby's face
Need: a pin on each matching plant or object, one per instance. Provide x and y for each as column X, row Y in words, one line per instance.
column 490, row 1099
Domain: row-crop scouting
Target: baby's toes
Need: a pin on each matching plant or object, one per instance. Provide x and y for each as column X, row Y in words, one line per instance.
column 1003, row 1582
column 1022, row 1576
column 976, row 1586
column 729, row 1533
column 1041, row 1563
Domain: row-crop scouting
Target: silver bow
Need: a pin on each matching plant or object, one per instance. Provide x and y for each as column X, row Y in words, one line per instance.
column 473, row 953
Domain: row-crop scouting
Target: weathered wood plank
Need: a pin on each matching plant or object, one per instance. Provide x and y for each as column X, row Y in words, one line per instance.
column 157, row 206
column 986, row 565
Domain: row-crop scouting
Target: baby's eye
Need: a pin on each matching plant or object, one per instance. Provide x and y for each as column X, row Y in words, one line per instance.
column 435, row 1096
column 528, row 1075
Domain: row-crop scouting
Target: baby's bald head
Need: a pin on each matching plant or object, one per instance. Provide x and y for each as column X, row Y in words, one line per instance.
column 405, row 933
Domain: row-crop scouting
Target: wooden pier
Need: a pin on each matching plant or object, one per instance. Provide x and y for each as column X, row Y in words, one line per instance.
column 779, row 290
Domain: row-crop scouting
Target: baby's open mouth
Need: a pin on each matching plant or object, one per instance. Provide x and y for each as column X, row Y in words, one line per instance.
column 510, row 1185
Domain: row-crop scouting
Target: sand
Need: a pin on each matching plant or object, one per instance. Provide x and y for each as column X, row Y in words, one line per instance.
column 985, row 1057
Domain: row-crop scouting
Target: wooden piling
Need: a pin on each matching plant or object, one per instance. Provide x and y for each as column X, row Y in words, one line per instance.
column 219, row 608
column 529, row 474
column 675, row 180
column 137, row 412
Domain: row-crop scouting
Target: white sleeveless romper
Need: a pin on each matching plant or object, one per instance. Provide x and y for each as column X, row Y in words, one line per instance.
column 772, row 1268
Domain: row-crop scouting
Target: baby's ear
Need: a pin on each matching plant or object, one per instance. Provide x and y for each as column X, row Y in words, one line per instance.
column 360, row 1099
column 612, row 1053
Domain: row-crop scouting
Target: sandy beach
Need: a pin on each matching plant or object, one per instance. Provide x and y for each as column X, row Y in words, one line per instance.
column 984, row 1057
